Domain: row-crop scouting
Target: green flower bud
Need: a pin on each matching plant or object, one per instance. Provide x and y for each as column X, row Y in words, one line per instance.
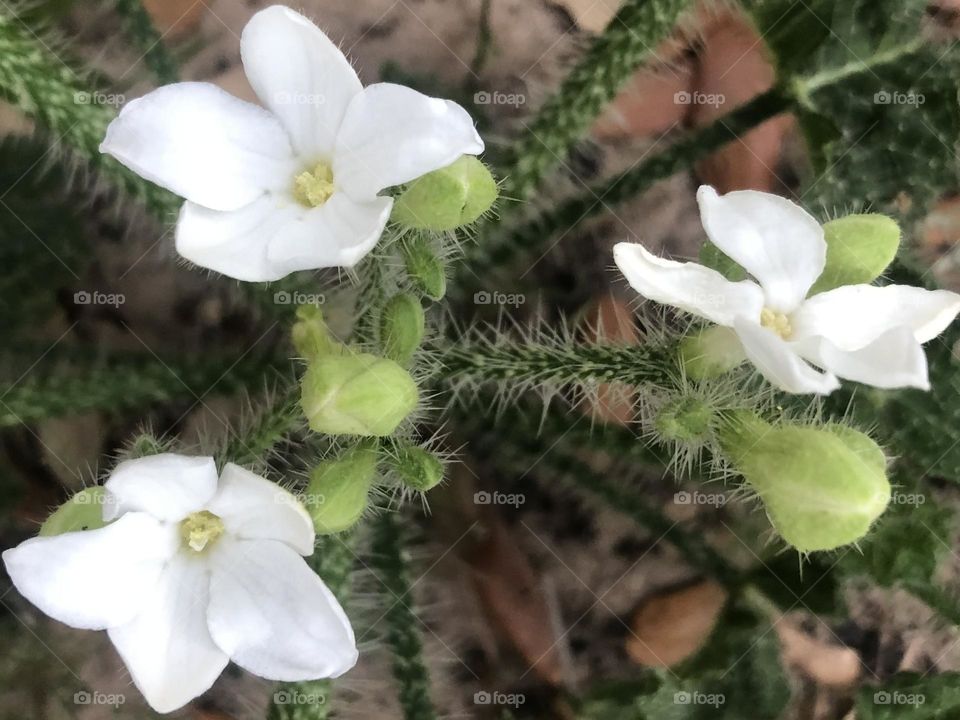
column 338, row 491
column 859, row 249
column 419, row 469
column 310, row 335
column 401, row 327
column 425, row 268
column 684, row 419
column 84, row 511
column 822, row 486
column 447, row 198
column 711, row 352
column 356, row 394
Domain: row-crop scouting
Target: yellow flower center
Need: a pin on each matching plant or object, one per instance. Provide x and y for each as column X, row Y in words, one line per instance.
column 776, row 321
column 200, row 529
column 314, row 187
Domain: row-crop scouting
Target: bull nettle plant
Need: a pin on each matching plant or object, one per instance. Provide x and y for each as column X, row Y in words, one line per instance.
column 385, row 183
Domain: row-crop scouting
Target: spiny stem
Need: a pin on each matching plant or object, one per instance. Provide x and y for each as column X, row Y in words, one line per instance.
column 42, row 86
column 639, row 26
column 146, row 38
column 333, row 561
column 498, row 251
column 58, row 387
column 533, row 363
column 403, row 634
column 273, row 423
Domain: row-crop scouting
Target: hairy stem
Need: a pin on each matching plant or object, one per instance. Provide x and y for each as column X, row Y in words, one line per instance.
column 639, row 26
column 403, row 633
column 498, row 251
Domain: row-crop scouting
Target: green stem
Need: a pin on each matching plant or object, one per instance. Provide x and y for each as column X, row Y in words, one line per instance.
column 534, row 364
column 66, row 103
column 629, row 39
column 403, row 634
column 145, row 37
column 54, row 387
column 333, row 561
column 269, row 429
column 498, row 251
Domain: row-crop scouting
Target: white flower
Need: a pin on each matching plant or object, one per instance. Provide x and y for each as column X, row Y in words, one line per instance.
column 293, row 186
column 189, row 574
column 865, row 333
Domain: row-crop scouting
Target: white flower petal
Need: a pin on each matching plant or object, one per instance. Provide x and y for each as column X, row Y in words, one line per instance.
column 203, row 144
column 253, row 508
column 893, row 360
column 93, row 579
column 688, row 286
column 338, row 233
column 775, row 240
column 301, row 76
column 779, row 363
column 273, row 616
column 167, row 646
column 852, row 316
column 392, row 134
column 168, row 486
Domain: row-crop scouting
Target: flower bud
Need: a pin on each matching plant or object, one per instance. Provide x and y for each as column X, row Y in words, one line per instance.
column 711, row 352
column 310, row 335
column 338, row 491
column 822, row 487
column 447, row 198
column 84, row 511
column 356, row 394
column 419, row 469
column 859, row 249
column 684, row 419
column 401, row 327
column 425, row 268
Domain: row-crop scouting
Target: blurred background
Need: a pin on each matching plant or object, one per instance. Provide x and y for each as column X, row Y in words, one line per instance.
column 529, row 593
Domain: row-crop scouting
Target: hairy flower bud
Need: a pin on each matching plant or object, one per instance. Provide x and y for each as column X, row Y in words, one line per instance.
column 84, row 511
column 424, row 267
column 684, row 419
column 419, row 469
column 447, row 198
column 822, row 487
column 339, row 489
column 310, row 335
column 356, row 394
column 859, row 249
column 401, row 327
column 711, row 352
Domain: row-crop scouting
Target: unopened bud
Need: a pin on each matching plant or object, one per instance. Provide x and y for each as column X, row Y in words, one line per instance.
column 822, row 487
column 339, row 489
column 859, row 249
column 447, row 198
column 424, row 267
column 684, row 419
column 419, row 469
column 310, row 335
column 711, row 352
column 356, row 394
column 401, row 327
column 84, row 511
